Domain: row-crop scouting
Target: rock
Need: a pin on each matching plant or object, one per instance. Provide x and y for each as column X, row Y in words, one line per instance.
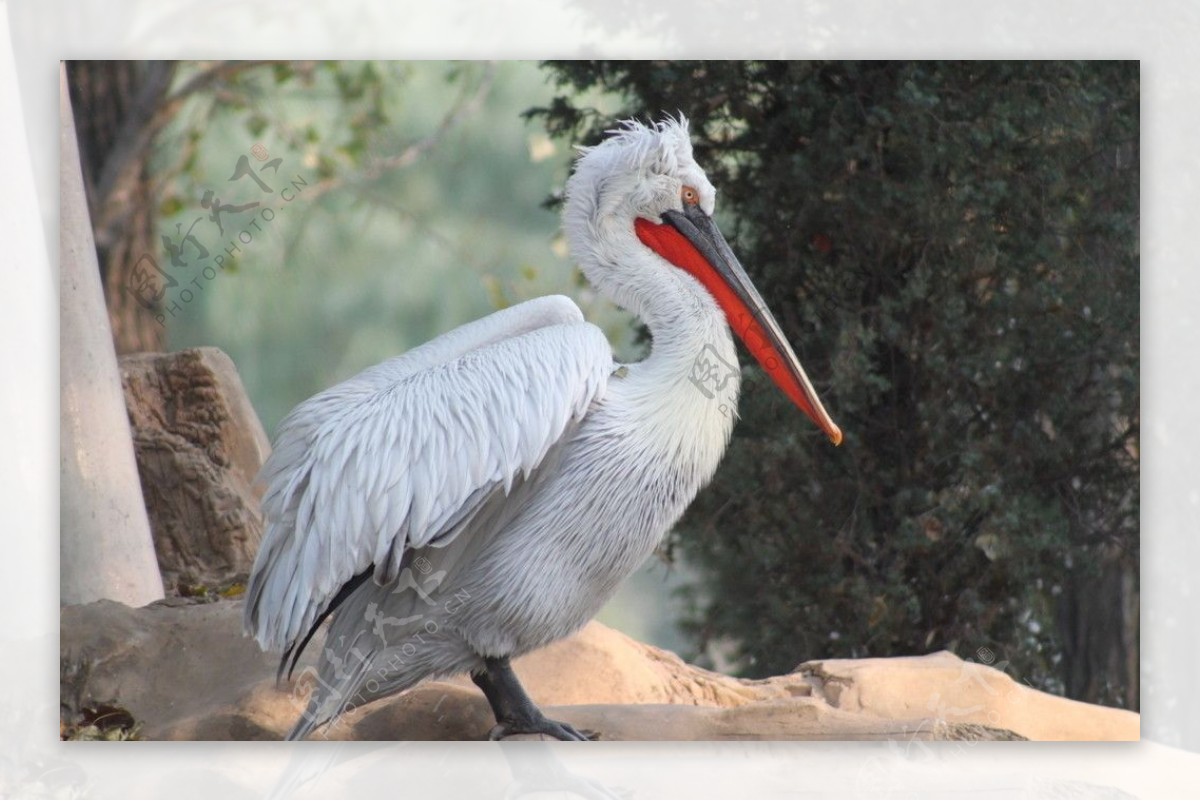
column 199, row 446
column 166, row 661
column 944, row 687
column 186, row 673
column 621, row 670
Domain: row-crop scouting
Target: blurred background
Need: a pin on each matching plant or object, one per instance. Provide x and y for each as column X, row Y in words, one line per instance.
column 952, row 248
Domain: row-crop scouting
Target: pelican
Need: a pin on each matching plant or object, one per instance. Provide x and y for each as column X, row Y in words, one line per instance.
column 484, row 494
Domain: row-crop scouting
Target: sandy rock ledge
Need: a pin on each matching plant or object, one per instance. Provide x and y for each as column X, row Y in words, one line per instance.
column 185, row 671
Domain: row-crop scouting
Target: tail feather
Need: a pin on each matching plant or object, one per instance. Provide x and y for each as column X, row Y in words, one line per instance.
column 378, row 644
column 294, row 650
column 334, row 688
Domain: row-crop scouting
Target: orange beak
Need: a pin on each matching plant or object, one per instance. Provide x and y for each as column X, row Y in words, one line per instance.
column 691, row 241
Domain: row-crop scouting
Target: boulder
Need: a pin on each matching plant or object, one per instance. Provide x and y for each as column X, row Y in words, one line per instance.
column 163, row 662
column 935, row 690
column 199, row 446
column 185, row 672
column 941, row 686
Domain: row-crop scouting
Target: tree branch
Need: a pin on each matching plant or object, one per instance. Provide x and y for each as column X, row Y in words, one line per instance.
column 462, row 109
column 149, row 115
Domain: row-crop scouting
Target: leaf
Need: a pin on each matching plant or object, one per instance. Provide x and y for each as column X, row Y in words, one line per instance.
column 256, row 124
column 170, row 206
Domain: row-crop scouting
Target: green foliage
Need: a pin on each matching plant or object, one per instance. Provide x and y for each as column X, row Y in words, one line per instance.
column 422, row 211
column 952, row 249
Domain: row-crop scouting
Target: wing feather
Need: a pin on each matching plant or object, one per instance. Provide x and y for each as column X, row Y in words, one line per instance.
column 405, row 454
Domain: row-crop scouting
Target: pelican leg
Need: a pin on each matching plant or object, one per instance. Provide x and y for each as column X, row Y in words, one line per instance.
column 514, row 710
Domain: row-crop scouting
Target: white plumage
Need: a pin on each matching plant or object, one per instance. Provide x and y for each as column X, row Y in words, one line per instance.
column 498, row 482
column 399, row 456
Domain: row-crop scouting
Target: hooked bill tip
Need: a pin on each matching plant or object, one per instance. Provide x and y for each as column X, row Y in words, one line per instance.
column 835, row 436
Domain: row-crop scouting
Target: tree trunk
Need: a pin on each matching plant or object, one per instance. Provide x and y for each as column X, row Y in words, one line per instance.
column 114, row 103
column 1098, row 618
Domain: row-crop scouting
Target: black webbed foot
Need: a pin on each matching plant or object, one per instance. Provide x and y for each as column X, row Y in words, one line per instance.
column 543, row 725
column 515, row 712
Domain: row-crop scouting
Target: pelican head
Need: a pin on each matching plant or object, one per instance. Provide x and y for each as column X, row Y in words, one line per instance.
column 638, row 218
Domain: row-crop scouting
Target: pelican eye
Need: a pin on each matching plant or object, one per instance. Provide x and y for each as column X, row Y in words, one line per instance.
column 689, row 196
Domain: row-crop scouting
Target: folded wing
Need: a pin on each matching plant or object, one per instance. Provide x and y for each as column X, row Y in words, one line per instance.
column 403, row 454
